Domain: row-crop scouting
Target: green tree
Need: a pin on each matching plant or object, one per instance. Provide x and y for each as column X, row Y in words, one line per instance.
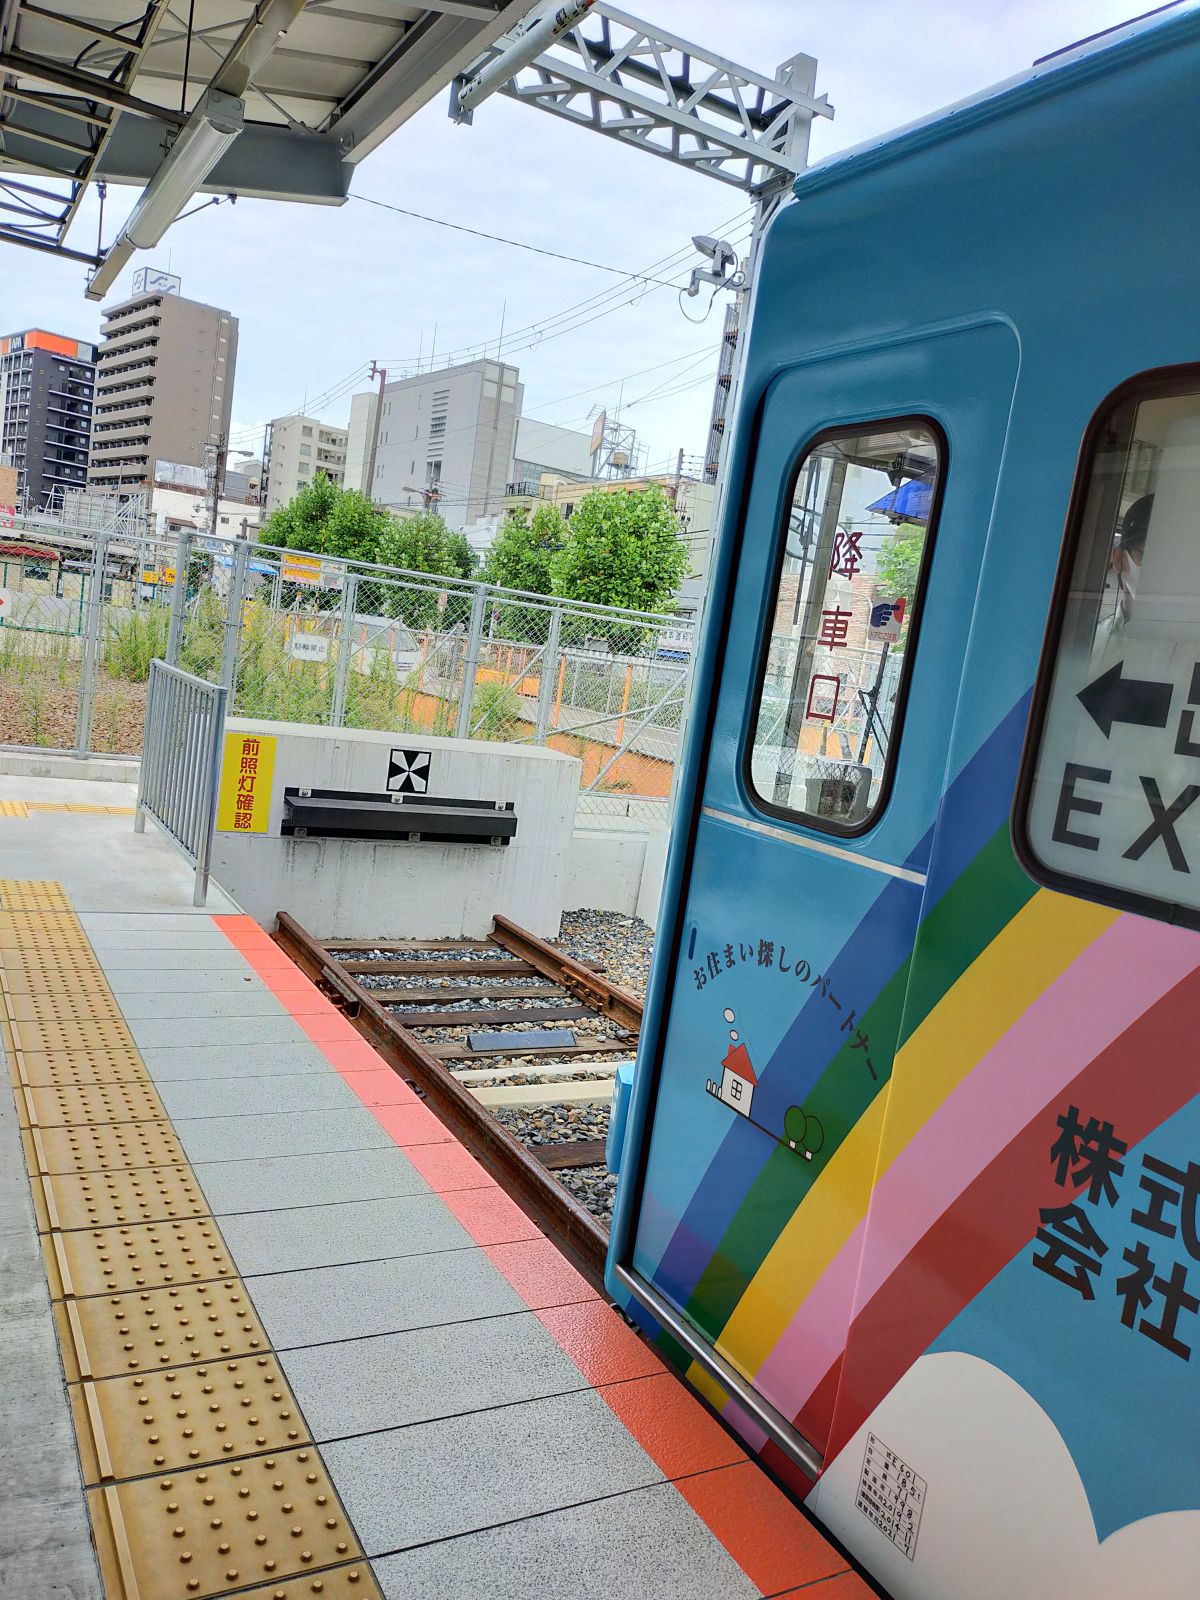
column 420, row 543
column 327, row 520
column 465, row 560
column 898, row 564
column 622, row 549
column 520, row 559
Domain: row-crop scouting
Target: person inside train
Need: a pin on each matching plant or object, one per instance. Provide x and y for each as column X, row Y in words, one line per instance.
column 1129, row 547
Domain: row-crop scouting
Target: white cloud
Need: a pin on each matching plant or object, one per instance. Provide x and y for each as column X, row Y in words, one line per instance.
column 1005, row 1514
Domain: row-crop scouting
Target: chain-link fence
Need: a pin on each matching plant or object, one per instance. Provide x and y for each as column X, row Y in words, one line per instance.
column 297, row 638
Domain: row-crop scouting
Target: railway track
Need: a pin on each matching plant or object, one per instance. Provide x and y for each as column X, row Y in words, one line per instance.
column 485, row 1029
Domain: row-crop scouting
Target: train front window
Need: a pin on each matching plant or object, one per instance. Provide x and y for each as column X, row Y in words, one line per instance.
column 1112, row 786
column 843, row 622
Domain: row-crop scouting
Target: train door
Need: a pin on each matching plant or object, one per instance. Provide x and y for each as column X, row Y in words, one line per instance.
column 850, row 603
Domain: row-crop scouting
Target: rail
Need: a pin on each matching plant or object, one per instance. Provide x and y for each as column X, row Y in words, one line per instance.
column 395, row 1034
column 181, row 764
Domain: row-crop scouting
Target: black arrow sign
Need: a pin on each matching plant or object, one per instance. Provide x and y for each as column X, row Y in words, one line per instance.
column 1113, row 698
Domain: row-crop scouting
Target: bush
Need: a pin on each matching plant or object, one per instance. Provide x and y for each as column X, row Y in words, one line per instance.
column 495, row 712
column 132, row 643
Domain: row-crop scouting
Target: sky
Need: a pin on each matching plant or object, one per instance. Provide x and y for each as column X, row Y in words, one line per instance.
column 320, row 292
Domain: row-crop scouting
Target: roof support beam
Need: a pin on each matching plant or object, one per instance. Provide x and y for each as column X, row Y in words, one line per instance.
column 84, row 84
column 262, row 163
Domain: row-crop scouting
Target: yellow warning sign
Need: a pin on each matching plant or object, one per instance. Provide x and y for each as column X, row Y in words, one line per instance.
column 301, row 569
column 244, row 801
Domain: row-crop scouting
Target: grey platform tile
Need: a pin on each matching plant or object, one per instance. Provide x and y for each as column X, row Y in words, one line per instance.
column 466, row 1473
column 354, row 1387
column 280, row 1133
column 648, row 1543
column 106, row 923
column 248, row 1097
column 175, row 1062
column 191, row 979
column 202, row 937
column 326, row 1236
column 243, row 1033
column 250, row 1001
column 323, row 1180
column 119, row 957
column 332, row 1303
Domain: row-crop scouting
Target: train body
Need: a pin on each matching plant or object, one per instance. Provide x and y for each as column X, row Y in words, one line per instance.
column 910, row 1186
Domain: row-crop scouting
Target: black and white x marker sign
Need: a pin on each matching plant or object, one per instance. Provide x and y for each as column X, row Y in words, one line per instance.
column 408, row 771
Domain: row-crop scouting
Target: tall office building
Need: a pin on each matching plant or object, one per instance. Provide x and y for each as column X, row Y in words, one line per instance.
column 46, row 394
column 299, row 448
column 445, row 440
column 164, row 387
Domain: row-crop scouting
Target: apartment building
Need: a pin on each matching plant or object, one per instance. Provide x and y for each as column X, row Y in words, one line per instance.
column 164, row 387
column 297, row 449
column 47, row 384
column 445, row 440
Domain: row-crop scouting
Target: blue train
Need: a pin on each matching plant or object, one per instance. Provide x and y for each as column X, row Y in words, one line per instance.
column 910, row 1186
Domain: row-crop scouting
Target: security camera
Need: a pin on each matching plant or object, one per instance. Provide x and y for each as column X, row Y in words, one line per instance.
column 722, row 255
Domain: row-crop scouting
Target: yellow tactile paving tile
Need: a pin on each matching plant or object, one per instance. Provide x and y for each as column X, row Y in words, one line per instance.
column 132, row 1195
column 73, row 1103
column 147, row 1330
column 14, row 808
column 194, row 1416
column 70, row 1034
column 205, row 1532
column 150, row 1255
column 96, row 811
column 102, row 1147
column 202, row 1479
column 43, row 1003
column 77, row 1067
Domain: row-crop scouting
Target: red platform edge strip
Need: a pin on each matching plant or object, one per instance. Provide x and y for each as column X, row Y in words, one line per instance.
column 774, row 1543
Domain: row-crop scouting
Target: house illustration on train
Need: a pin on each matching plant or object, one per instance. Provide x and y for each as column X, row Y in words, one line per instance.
column 738, row 1082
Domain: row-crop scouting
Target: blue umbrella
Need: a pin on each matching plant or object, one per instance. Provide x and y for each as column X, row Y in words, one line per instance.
column 909, row 501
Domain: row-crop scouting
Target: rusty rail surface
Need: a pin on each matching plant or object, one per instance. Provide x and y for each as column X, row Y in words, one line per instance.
column 522, row 1175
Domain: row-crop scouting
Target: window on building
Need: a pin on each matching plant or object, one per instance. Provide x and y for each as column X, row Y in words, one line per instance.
column 306, row 433
column 306, row 450
column 1108, row 808
column 842, row 624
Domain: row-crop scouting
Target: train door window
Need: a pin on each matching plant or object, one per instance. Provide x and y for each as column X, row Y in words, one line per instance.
column 842, row 628
column 1110, row 802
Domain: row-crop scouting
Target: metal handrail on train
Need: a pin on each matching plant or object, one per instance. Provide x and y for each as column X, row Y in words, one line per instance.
column 181, row 764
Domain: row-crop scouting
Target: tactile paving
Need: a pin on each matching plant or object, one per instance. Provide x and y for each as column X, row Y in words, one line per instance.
column 116, row 1064
column 100, row 1199
column 201, row 1533
column 353, row 1582
column 67, row 1033
column 58, row 931
column 188, row 1417
column 104, row 1147
column 149, row 1256
column 14, row 808
column 55, row 1003
column 75, row 1104
column 32, row 894
column 109, row 1336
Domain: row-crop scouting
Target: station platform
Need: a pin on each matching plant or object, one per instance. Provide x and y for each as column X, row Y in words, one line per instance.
column 267, row 1329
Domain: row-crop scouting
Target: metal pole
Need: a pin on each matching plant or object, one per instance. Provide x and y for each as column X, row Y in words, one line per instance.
column 471, row 664
column 549, row 673
column 341, row 678
column 178, row 599
column 91, row 653
column 233, row 616
column 147, row 761
column 212, row 782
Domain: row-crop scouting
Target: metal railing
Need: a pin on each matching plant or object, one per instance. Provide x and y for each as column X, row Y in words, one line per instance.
column 181, row 764
column 317, row 640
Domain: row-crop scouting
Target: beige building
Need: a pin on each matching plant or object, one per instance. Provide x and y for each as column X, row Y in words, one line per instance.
column 299, row 448
column 164, row 387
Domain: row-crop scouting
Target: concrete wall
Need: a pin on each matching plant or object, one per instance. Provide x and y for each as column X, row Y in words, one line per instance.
column 618, row 871
column 345, row 888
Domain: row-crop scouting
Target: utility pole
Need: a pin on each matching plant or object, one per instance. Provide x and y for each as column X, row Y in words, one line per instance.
column 381, row 373
column 221, row 449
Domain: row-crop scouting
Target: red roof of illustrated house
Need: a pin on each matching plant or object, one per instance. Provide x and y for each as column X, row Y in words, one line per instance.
column 738, row 1060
